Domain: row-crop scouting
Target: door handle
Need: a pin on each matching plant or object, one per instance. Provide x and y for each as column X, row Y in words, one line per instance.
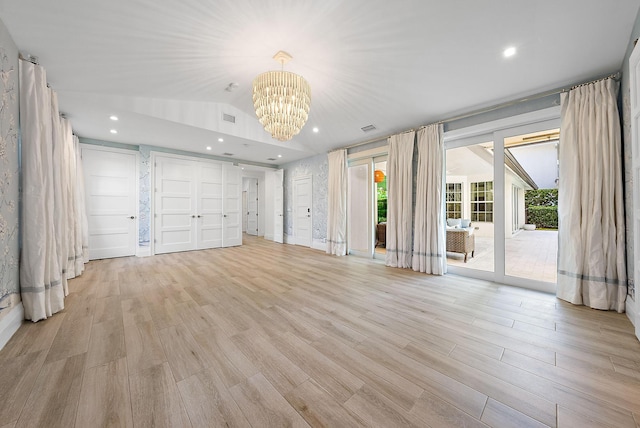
column 309, row 215
column 193, row 216
column 132, row 217
column 199, row 216
column 224, row 215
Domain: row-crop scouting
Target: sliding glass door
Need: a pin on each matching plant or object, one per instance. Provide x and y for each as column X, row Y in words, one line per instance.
column 500, row 196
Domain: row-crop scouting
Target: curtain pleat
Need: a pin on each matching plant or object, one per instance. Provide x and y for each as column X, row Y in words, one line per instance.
column 591, row 254
column 49, row 177
column 337, row 204
column 429, row 230
column 399, row 200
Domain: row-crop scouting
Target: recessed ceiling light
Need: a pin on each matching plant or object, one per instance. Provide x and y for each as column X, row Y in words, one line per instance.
column 208, row 147
column 279, row 156
column 509, row 52
column 113, row 117
column 316, row 130
column 220, row 140
column 114, row 131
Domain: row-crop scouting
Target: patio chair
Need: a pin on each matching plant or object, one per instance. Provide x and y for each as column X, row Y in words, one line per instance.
column 461, row 241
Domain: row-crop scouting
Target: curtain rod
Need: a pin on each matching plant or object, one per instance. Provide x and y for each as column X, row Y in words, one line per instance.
column 28, row 57
column 615, row 76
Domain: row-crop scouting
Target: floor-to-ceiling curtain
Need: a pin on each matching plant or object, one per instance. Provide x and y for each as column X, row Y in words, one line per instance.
column 337, row 204
column 399, row 200
column 51, row 220
column 591, row 250
column 429, row 229
column 60, row 190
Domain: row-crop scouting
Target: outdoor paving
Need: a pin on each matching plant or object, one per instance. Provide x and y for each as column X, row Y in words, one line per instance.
column 530, row 254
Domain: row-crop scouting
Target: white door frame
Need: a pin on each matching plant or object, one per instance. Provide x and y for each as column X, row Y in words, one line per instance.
column 633, row 306
column 295, row 238
column 137, row 176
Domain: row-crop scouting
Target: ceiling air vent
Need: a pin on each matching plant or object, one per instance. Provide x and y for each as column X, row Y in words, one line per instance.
column 228, row 118
column 368, row 128
column 271, row 159
column 227, row 154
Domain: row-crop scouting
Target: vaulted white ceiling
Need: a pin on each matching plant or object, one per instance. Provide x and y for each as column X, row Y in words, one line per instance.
column 162, row 66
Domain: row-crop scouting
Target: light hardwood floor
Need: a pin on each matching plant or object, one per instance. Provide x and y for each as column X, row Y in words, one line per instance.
column 276, row 335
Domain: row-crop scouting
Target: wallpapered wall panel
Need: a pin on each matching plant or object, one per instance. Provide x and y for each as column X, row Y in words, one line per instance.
column 318, row 168
column 627, row 152
column 144, row 224
column 9, row 179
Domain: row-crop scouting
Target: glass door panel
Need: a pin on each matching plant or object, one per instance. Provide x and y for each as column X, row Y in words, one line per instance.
column 469, row 206
column 380, row 207
column 531, row 205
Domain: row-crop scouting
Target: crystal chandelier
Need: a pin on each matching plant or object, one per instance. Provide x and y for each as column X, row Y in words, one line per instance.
column 281, row 100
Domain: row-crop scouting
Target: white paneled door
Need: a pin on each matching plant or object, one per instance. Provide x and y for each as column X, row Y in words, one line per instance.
column 197, row 204
column 175, row 205
column 278, row 206
column 302, row 221
column 209, row 206
column 252, row 206
column 232, row 209
column 111, row 189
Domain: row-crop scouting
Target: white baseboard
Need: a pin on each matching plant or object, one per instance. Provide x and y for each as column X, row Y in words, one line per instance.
column 632, row 310
column 288, row 239
column 10, row 323
column 318, row 244
column 143, row 251
column 268, row 237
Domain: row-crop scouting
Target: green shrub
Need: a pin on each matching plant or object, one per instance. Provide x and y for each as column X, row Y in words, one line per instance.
column 382, row 210
column 546, row 217
column 541, row 198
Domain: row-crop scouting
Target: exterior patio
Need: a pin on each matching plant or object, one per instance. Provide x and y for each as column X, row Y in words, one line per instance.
column 529, row 254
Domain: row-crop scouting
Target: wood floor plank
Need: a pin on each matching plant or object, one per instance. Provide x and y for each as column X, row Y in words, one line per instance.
column 331, row 327
column 54, row 399
column 455, row 390
column 224, row 357
column 143, row 345
column 621, row 391
column 19, row 374
column 319, row 409
column 134, row 310
column 568, row 418
column 263, row 405
column 436, row 412
column 183, row 352
column 107, row 308
column 33, row 336
column 209, row 402
column 337, row 381
column 104, row 398
column 155, row 399
column 107, row 342
column 376, row 411
column 497, row 414
column 570, row 399
column 278, row 369
column 72, row 338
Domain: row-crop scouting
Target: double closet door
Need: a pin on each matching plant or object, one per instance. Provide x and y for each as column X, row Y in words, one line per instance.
column 197, row 204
